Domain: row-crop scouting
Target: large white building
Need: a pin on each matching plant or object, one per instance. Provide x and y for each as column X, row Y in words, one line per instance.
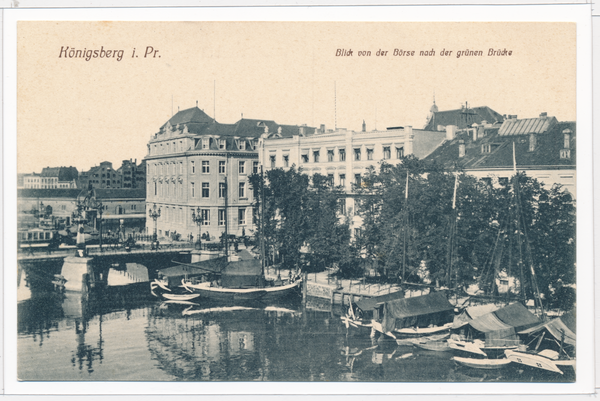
column 343, row 155
column 193, row 163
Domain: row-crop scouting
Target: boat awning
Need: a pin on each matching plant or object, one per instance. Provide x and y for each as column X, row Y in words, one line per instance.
column 371, row 303
column 203, row 267
column 564, row 325
column 472, row 312
column 416, row 306
column 517, row 316
column 488, row 323
column 250, row 267
column 433, row 308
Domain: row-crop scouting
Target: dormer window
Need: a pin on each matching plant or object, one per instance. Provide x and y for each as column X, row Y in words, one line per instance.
column 242, row 145
column 205, row 143
column 532, row 142
column 486, row 148
column 565, row 153
column 221, row 144
column 567, row 139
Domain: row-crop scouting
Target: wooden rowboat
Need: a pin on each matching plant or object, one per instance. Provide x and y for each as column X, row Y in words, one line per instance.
column 534, row 360
column 180, row 297
column 485, row 363
column 437, row 346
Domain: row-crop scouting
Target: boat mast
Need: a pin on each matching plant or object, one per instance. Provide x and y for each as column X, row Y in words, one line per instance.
column 521, row 222
column 404, row 230
column 262, row 223
column 451, row 235
column 226, row 206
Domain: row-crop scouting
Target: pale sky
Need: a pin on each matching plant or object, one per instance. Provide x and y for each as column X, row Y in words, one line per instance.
column 73, row 112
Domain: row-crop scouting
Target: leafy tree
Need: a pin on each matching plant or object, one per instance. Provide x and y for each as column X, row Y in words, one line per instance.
column 302, row 214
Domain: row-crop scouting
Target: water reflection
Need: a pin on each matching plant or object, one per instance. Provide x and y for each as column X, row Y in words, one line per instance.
column 123, row 336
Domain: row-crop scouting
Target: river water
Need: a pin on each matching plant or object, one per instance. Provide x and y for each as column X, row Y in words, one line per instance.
column 125, row 337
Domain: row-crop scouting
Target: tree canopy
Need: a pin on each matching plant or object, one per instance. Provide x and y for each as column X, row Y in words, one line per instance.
column 424, row 224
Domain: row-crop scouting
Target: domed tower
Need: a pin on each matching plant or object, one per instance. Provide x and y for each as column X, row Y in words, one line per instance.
column 434, row 109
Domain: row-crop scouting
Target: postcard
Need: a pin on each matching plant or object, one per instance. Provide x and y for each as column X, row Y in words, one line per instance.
column 320, row 200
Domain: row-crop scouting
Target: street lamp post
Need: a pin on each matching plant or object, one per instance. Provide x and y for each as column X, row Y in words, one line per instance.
column 197, row 218
column 99, row 209
column 154, row 215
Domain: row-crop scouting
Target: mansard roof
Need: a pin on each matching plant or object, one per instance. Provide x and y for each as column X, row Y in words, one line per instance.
column 192, row 115
column 63, row 173
column 463, row 117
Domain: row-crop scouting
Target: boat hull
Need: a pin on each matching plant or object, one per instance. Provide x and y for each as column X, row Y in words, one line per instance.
column 266, row 294
column 533, row 360
column 435, row 346
column 488, row 364
column 411, row 332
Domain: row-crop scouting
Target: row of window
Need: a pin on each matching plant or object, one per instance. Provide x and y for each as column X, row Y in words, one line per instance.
column 164, row 189
column 175, row 147
column 316, row 155
column 176, row 215
column 222, row 190
column 171, row 168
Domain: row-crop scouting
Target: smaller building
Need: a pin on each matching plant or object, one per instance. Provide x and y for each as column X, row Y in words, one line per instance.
column 102, row 176
column 544, row 148
column 133, row 175
column 52, row 177
column 59, row 204
column 461, row 118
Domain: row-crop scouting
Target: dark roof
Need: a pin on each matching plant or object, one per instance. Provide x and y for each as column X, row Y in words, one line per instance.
column 193, row 115
column 116, row 193
column 48, row 192
column 63, row 173
column 547, row 149
column 463, row 118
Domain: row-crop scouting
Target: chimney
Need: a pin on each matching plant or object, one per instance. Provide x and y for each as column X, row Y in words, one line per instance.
column 474, row 132
column 450, row 132
column 543, row 115
column 322, row 129
column 364, row 126
column 461, row 148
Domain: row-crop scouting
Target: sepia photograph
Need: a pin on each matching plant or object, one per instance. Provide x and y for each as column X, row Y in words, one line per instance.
column 295, row 202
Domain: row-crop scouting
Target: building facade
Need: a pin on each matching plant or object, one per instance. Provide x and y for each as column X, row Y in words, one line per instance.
column 345, row 156
column 118, row 204
column 197, row 165
column 132, row 174
column 51, row 178
column 544, row 148
column 102, row 176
